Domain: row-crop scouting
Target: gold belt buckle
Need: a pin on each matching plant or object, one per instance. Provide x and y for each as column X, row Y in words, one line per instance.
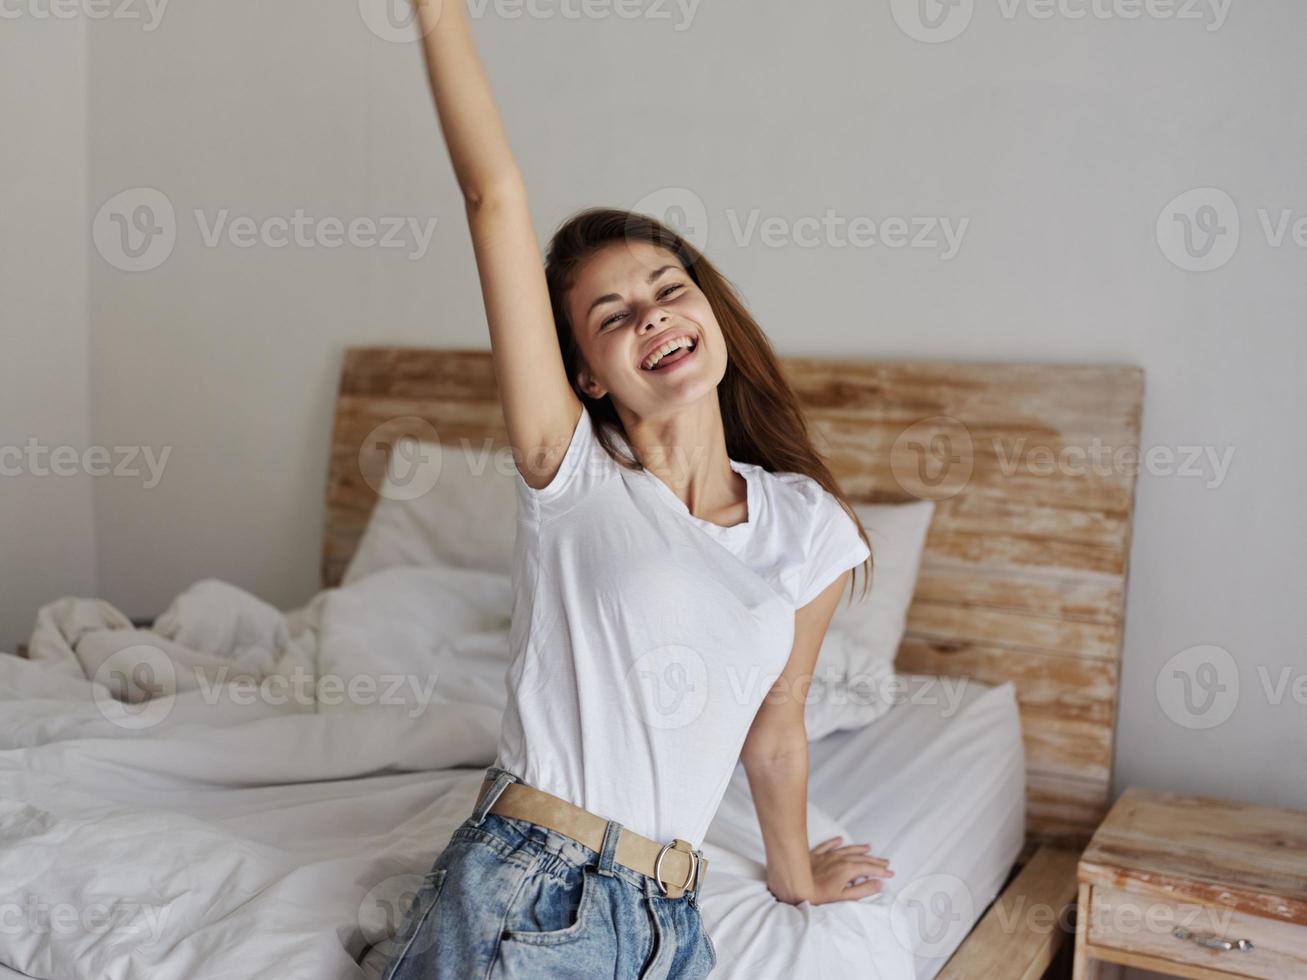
column 673, row 844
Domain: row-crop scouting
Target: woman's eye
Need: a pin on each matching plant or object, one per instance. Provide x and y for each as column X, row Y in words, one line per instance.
column 665, row 292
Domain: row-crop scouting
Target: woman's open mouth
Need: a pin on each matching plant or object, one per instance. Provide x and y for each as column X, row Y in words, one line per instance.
column 683, row 350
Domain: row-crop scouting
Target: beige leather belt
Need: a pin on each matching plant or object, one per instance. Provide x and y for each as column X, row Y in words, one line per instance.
column 675, row 866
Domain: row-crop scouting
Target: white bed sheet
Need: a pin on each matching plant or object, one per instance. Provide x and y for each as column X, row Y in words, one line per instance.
column 937, row 785
column 250, row 840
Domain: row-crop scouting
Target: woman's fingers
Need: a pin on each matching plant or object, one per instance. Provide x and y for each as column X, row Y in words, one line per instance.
column 854, row 892
column 826, row 845
column 864, row 865
column 852, row 851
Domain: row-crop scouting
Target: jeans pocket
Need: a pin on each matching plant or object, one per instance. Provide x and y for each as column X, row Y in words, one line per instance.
column 413, row 939
column 551, row 910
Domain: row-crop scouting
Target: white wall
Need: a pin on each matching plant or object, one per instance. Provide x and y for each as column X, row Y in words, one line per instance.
column 1060, row 141
column 47, row 542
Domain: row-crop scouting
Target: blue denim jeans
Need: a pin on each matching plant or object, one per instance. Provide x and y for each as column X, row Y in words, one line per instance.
column 509, row 899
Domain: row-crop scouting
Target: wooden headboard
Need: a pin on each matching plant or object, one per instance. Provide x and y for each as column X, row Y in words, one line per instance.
column 1032, row 468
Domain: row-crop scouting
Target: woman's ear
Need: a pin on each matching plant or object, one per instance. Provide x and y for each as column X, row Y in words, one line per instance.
column 589, row 384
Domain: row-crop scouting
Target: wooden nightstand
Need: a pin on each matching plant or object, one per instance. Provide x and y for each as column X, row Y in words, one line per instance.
column 1194, row 887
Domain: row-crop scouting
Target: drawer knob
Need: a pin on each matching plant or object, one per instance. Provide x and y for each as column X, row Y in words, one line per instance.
column 1211, row 942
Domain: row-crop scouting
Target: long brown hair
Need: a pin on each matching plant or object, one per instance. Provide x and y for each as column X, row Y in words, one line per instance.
column 760, row 412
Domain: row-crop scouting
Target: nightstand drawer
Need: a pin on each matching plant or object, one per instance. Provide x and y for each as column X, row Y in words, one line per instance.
column 1139, row 923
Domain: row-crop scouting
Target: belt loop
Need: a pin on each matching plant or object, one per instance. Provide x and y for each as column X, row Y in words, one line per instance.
column 502, row 778
column 608, row 850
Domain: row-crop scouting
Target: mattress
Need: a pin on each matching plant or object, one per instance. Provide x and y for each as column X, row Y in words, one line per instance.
column 937, row 785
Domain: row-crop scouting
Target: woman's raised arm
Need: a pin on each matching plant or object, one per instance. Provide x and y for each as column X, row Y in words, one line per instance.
column 540, row 408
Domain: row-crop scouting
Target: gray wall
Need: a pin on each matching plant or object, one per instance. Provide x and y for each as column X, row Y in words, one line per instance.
column 1058, row 141
column 47, row 539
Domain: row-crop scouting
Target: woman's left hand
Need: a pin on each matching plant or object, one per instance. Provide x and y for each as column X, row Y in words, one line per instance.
column 841, row 874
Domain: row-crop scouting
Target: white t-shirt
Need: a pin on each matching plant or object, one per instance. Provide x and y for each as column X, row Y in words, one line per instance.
column 644, row 638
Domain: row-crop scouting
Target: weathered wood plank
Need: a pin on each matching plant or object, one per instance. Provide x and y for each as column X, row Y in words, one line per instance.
column 1057, row 686
column 1022, row 931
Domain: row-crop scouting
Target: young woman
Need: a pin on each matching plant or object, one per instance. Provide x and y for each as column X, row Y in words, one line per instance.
column 681, row 548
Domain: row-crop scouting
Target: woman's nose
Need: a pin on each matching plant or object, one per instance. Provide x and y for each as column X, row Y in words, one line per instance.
column 652, row 319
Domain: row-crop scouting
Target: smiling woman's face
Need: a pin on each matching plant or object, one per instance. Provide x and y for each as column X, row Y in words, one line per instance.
column 631, row 300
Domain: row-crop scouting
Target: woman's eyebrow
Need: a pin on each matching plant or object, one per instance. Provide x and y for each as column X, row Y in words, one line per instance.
column 613, row 297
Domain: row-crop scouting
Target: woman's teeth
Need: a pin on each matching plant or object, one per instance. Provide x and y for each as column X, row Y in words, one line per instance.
column 679, row 349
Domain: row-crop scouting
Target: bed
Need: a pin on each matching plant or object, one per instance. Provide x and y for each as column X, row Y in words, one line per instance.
column 234, row 838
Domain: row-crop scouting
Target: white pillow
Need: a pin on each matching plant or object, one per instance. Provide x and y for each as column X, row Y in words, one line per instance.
column 440, row 505
column 455, row 506
column 857, row 655
column 415, row 636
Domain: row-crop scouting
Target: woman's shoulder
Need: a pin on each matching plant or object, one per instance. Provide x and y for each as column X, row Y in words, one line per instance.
column 798, row 499
column 798, row 488
column 814, row 535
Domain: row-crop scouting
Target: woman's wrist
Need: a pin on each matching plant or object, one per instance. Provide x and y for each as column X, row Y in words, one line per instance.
column 791, row 888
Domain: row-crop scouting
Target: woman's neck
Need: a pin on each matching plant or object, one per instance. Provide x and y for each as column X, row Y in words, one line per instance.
column 686, row 450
